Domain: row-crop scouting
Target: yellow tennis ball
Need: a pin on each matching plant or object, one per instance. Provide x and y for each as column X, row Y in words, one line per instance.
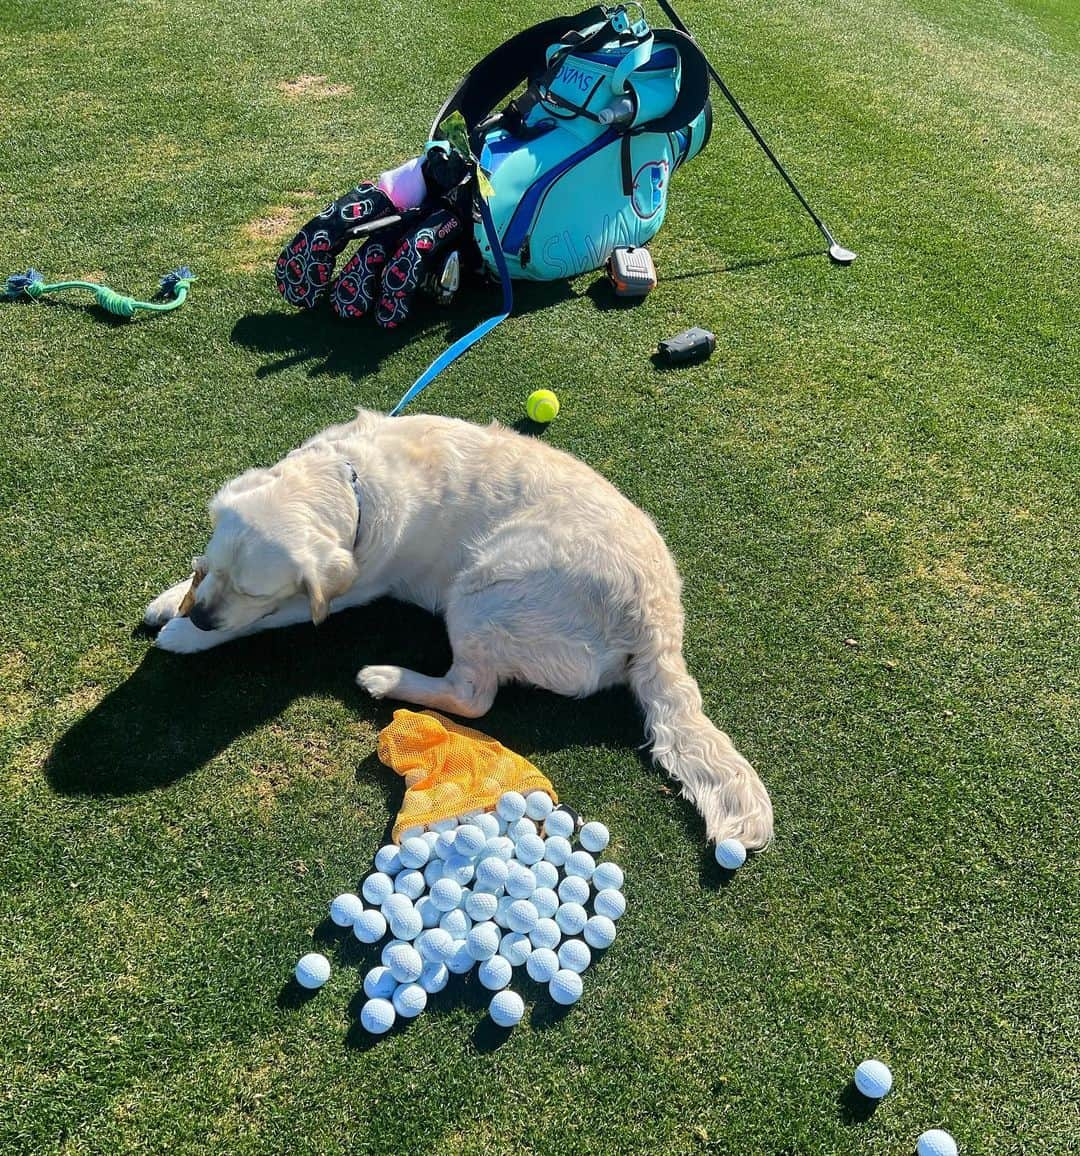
column 542, row 406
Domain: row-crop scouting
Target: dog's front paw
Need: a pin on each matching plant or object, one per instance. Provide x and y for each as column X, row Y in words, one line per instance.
column 166, row 606
column 379, row 681
column 180, row 636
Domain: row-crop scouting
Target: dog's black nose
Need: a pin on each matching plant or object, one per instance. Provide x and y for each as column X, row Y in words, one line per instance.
column 202, row 618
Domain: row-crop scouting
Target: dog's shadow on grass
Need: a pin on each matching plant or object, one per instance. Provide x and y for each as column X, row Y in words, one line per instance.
column 327, row 344
column 175, row 713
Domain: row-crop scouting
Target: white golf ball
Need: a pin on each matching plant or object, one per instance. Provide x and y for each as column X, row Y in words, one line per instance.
column 404, row 962
column 379, row 983
column 427, row 911
column 436, row 945
column 396, row 906
column 384, row 956
column 459, row 868
column 462, row 960
column 502, row 912
column 410, row 883
column 873, row 1079
column 378, row 1016
column 501, row 847
column 434, row 977
column 495, row 973
column 574, row 956
column 546, row 874
column 519, row 829
column 520, row 881
column 565, row 987
column 611, row 903
column 312, row 970
column 580, row 864
column 491, row 874
column 530, row 849
column 608, row 877
column 483, row 941
column 444, row 845
column 730, row 854
column 571, row 918
column 457, row 923
column 542, row 964
column 488, row 822
column 560, row 823
column 409, row 1000
column 433, row 872
column 481, row 906
column 594, row 837
column 408, row 925
column 546, row 933
column 545, row 901
column 430, row 838
column 522, row 916
column 599, row 932
column 370, row 926
column 345, row 908
column 415, row 852
column 557, row 850
column 538, row 805
column 511, row 806
column 388, row 859
column 506, row 1009
column 377, row 888
column 446, row 894
column 469, row 841
column 574, row 890
column 936, row 1142
column 515, row 948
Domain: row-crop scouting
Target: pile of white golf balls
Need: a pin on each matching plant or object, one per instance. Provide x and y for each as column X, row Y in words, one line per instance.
column 494, row 890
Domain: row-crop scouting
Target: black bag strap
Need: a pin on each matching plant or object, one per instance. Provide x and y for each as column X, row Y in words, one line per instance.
column 515, row 61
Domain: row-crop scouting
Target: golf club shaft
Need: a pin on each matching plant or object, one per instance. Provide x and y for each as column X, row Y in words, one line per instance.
column 676, row 20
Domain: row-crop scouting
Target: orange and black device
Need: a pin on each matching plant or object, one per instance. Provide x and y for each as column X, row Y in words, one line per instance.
column 631, row 271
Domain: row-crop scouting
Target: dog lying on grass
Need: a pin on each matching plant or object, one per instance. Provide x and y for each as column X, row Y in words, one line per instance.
column 545, row 574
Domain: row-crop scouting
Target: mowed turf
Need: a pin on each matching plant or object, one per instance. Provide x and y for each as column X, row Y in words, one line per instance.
column 871, row 491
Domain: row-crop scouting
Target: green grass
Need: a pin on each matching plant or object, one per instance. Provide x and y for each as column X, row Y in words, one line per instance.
column 885, row 454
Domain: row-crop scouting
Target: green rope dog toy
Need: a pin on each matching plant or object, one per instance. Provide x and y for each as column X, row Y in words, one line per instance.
column 171, row 294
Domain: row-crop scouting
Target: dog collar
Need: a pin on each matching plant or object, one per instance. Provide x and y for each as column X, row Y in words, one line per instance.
column 354, row 481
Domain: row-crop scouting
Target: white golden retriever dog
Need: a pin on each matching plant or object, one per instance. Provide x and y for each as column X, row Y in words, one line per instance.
column 545, row 573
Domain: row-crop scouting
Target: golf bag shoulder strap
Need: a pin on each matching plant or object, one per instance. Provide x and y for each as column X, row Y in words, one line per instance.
column 693, row 87
column 516, row 60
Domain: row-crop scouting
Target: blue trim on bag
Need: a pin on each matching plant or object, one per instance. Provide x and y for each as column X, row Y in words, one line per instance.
column 448, row 356
column 665, row 58
column 516, row 230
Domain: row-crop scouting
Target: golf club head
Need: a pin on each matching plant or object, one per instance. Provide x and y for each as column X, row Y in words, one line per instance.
column 841, row 255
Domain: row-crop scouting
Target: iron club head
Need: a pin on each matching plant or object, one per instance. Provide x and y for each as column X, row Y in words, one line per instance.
column 841, row 255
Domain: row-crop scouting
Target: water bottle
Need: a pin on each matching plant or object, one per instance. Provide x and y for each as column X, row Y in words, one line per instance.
column 620, row 111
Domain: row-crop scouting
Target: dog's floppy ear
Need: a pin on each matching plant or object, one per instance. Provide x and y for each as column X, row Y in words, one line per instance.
column 198, row 573
column 328, row 577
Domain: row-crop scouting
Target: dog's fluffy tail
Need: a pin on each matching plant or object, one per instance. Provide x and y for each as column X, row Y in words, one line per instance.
column 722, row 785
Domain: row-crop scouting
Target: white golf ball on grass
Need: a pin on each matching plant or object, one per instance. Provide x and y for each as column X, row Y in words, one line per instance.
column 546, row 933
column 379, row 983
column 434, row 977
column 594, row 837
column 522, row 916
column 495, row 973
column 581, row 865
column 409, row 1000
column 571, row 918
column 611, row 903
column 936, row 1142
column 415, row 852
column 542, row 964
column 345, row 908
column 388, row 859
column 574, row 956
column 506, row 1009
column 515, row 948
column 873, row 1079
column 546, row 874
column 483, row 941
column 377, row 1016
column 370, row 926
column 608, row 877
column 574, row 890
column 560, row 823
column 404, row 961
column 557, row 850
column 312, row 970
column 377, row 888
column 565, row 987
column 599, row 932
column 511, row 806
column 730, row 854
column 538, row 805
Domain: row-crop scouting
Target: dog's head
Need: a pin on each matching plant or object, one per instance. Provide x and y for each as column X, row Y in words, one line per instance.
column 278, row 532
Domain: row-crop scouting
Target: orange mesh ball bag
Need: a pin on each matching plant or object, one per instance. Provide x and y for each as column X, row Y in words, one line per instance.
column 450, row 769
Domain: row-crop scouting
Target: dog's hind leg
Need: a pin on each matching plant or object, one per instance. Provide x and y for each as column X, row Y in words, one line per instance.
column 465, row 690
